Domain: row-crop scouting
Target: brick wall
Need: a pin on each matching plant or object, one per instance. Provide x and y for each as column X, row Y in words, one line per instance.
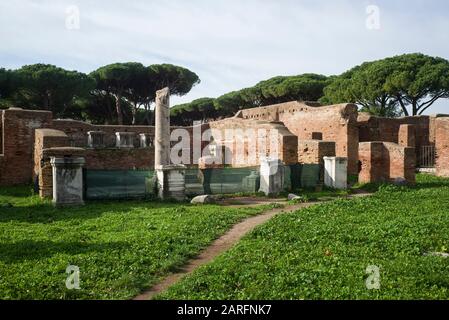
column 336, row 123
column 442, row 146
column 371, row 161
column 16, row 164
column 293, row 121
column 287, row 141
column 313, row 151
column 386, row 161
column 120, row 159
column 77, row 131
column 407, row 136
column 44, row 139
column 51, row 143
column 372, row 128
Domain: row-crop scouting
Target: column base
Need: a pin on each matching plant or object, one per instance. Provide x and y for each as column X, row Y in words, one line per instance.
column 171, row 182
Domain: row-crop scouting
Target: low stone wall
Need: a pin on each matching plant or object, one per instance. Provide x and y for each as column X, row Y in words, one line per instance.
column 385, row 162
column 55, row 143
column 77, row 132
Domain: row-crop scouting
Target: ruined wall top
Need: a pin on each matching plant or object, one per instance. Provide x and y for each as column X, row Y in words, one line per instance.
column 277, row 111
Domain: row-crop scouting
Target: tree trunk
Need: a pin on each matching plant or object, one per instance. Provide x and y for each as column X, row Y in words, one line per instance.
column 110, row 117
column 404, row 109
column 151, row 120
column 147, row 114
column 415, row 110
column 134, row 112
column 118, row 106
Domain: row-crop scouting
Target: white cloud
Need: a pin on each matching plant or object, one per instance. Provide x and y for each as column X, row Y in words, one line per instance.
column 230, row 43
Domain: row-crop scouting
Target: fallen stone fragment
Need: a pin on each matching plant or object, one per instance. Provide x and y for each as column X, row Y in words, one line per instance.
column 204, row 199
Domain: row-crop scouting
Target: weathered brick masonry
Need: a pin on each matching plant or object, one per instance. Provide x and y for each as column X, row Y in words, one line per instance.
column 306, row 120
column 18, row 126
column 372, row 128
column 305, row 132
column 287, row 142
column 56, row 143
column 386, row 161
column 442, row 146
column 313, row 151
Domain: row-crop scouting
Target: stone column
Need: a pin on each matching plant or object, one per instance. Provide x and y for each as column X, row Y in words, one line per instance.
column 336, row 172
column 67, row 181
column 271, row 176
column 162, row 134
column 170, row 178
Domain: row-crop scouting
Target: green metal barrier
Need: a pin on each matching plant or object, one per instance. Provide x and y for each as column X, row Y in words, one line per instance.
column 310, row 175
column 129, row 184
column 118, row 184
column 304, row 175
column 222, row 180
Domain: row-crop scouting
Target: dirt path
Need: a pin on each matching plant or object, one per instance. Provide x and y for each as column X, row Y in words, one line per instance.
column 222, row 244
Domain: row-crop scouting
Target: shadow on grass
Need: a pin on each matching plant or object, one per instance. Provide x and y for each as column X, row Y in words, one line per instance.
column 27, row 207
column 36, row 250
column 47, row 213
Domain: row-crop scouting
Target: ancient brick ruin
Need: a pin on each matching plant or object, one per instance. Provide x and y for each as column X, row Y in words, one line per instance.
column 377, row 149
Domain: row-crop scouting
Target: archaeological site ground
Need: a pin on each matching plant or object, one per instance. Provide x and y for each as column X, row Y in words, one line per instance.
column 99, row 202
column 259, row 156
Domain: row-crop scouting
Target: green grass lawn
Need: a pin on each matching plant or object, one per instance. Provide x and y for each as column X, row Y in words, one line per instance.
column 323, row 252
column 119, row 247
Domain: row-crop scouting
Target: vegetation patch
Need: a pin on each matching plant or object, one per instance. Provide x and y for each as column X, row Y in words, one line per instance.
column 323, row 252
column 120, row 248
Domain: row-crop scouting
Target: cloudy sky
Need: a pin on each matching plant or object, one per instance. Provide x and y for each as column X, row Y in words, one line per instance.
column 230, row 44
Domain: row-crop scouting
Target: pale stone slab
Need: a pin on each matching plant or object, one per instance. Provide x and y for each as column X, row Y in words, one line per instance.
column 336, row 172
column 95, row 139
column 271, row 176
column 67, row 180
column 124, row 140
column 171, row 183
column 145, row 140
column 204, row 199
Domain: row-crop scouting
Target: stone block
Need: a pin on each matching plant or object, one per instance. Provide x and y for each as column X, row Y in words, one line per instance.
column 336, row 172
column 204, row 199
column 171, row 182
column 145, row 140
column 124, row 140
column 271, row 176
column 67, row 181
column 95, row 139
